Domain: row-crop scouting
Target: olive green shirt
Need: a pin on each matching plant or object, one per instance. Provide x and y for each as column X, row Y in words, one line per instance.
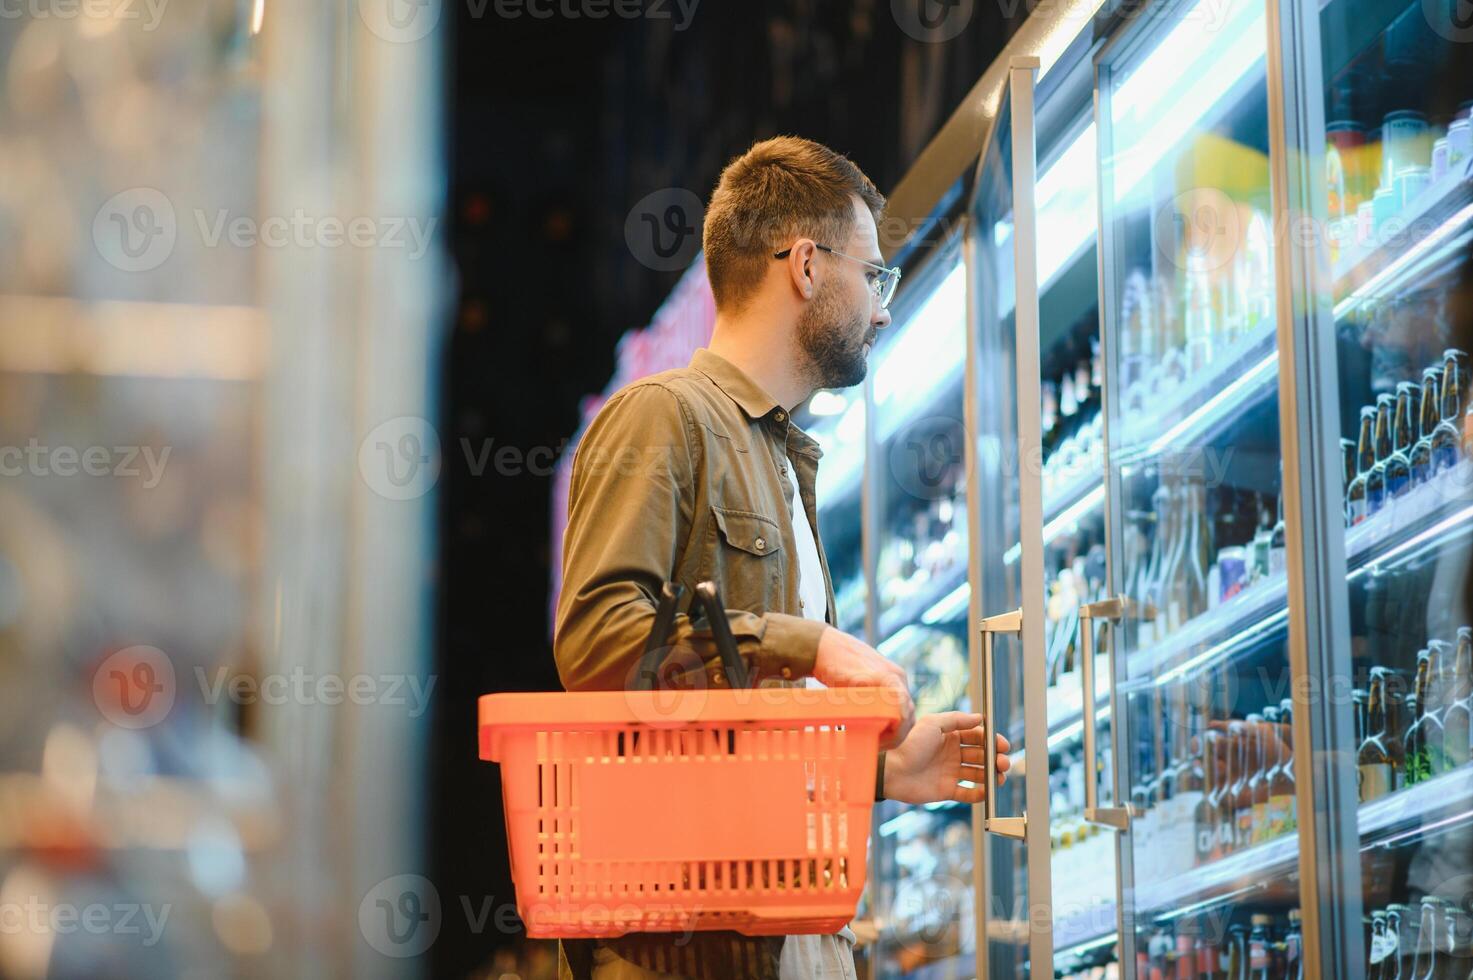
column 684, row 476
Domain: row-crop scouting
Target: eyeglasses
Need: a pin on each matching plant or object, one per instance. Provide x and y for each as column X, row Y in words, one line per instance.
column 882, row 281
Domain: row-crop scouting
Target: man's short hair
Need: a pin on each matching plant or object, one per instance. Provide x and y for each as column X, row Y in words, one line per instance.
column 781, row 189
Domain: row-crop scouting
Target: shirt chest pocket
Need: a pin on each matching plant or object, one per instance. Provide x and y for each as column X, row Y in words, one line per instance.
column 749, row 560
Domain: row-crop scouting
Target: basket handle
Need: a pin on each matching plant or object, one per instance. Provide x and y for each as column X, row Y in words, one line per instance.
column 654, row 647
column 731, row 660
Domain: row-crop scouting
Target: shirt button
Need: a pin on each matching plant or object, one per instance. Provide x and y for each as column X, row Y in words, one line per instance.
column 788, row 673
column 718, row 679
column 802, row 604
column 761, row 543
column 781, row 416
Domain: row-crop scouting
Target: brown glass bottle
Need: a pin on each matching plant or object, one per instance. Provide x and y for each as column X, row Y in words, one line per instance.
column 1208, row 819
column 1282, row 808
column 1425, row 740
column 1374, row 766
column 1447, row 438
column 1265, row 763
column 1376, row 480
column 1403, row 437
column 1365, row 459
column 1430, row 416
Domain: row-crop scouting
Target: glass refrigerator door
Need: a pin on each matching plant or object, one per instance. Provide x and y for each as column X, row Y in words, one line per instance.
column 1072, row 426
column 1203, row 679
column 923, row 869
column 1396, row 189
column 1009, row 675
column 836, row 420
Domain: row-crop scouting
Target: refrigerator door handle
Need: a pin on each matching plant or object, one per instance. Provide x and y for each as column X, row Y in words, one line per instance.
column 1012, row 827
column 1111, row 611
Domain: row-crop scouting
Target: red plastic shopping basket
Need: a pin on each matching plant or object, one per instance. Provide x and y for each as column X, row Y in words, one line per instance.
column 666, row 811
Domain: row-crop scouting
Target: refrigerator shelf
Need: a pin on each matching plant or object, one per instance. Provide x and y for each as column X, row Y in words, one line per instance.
column 1435, row 222
column 913, row 608
column 1087, row 927
column 1207, row 403
column 1396, row 819
column 1416, row 518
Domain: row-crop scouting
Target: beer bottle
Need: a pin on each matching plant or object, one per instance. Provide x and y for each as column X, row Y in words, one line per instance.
column 1457, row 732
column 1358, row 698
column 1209, row 847
column 1227, row 806
column 1460, row 941
column 1399, row 464
column 1420, row 731
column 1260, row 962
column 1293, row 949
column 1365, row 459
column 1191, row 791
column 1237, row 954
column 1376, row 481
column 1282, row 806
column 1376, row 962
column 1431, row 414
column 1424, row 957
column 1248, row 762
column 1258, row 783
column 1398, row 941
column 1376, row 774
column 1447, row 438
column 1347, row 474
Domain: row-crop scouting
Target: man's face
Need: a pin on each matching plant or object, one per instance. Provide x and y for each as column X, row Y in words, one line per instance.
column 837, row 327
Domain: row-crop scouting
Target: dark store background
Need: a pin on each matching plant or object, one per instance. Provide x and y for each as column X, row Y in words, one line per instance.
column 558, row 126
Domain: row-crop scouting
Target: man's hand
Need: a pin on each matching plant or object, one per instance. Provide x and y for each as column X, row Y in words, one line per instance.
column 843, row 661
column 942, row 750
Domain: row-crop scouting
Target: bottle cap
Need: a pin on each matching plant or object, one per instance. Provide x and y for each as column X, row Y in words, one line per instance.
column 1261, row 920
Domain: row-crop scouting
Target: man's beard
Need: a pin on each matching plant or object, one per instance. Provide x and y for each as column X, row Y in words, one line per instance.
column 833, row 344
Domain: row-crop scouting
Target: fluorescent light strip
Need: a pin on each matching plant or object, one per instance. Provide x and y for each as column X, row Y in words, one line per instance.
column 1086, row 947
column 1197, row 64
column 902, row 639
column 1212, row 653
column 949, row 605
column 1066, row 520
column 929, row 351
column 1376, row 283
column 1446, row 524
column 1211, row 407
column 1423, row 830
column 1075, row 728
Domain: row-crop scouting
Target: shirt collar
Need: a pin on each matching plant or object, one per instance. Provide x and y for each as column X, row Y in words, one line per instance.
column 750, row 397
column 730, row 379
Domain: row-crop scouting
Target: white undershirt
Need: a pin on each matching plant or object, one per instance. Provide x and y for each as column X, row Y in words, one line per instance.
column 811, row 590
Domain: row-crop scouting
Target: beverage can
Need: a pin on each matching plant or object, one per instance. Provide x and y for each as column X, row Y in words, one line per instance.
column 1410, row 183
column 1383, row 205
column 1232, row 571
column 1459, row 143
column 1441, row 159
column 1404, row 143
column 1365, row 223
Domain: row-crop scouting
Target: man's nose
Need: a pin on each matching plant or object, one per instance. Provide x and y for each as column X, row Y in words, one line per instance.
column 881, row 319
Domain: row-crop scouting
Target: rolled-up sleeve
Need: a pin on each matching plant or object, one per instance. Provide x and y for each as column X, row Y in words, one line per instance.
column 631, row 504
